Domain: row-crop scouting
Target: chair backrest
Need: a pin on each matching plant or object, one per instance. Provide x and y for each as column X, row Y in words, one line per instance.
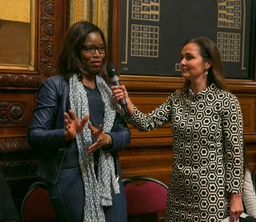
column 36, row 205
column 144, row 195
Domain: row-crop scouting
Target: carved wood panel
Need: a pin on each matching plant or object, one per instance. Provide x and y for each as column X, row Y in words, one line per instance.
column 18, row 88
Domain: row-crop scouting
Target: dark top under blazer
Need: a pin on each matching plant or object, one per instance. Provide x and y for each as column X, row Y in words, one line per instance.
column 47, row 128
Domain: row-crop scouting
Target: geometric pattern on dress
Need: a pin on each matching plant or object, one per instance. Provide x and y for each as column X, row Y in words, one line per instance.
column 207, row 133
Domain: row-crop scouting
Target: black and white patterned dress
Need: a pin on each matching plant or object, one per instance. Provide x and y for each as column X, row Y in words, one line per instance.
column 207, row 142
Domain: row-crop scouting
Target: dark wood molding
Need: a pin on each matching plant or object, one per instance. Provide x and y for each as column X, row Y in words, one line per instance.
column 115, row 9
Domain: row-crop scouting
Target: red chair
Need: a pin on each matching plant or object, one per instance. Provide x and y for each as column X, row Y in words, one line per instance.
column 144, row 195
column 36, row 205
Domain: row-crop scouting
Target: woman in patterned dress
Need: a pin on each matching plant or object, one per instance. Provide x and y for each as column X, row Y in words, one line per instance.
column 207, row 126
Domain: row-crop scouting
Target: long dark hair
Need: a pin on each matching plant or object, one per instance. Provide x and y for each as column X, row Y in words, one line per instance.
column 209, row 51
column 70, row 60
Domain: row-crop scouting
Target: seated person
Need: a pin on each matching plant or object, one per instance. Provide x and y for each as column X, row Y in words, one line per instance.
column 8, row 211
column 249, row 198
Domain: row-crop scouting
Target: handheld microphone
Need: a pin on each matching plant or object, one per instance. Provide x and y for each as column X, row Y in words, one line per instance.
column 112, row 73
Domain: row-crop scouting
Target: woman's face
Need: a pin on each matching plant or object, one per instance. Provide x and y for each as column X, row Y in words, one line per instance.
column 192, row 65
column 93, row 52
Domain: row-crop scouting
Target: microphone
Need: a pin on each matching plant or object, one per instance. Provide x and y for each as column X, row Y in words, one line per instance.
column 112, row 73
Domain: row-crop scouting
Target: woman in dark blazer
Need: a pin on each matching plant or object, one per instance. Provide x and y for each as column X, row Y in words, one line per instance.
column 81, row 130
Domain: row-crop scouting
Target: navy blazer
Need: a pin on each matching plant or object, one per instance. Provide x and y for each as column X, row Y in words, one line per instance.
column 47, row 128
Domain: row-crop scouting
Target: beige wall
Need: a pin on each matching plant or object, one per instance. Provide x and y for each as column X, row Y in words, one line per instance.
column 15, row 10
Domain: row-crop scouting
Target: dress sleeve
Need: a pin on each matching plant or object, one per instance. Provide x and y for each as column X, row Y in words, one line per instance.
column 232, row 123
column 156, row 118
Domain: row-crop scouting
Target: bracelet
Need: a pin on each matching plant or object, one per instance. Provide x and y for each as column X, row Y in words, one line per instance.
column 110, row 143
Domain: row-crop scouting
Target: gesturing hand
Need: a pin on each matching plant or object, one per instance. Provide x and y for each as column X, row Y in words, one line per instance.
column 73, row 124
column 102, row 139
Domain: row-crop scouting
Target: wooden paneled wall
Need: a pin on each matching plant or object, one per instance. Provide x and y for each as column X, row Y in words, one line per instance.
column 149, row 154
column 18, row 89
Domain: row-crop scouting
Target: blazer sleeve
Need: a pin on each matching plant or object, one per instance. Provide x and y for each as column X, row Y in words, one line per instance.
column 120, row 134
column 42, row 133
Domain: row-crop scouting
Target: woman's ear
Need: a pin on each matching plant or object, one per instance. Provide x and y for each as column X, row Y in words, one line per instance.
column 208, row 64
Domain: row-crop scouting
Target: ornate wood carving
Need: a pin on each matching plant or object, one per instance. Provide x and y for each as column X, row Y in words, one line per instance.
column 19, row 169
column 14, row 144
column 18, row 92
column 47, row 11
column 19, row 80
column 11, row 113
column 46, row 50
